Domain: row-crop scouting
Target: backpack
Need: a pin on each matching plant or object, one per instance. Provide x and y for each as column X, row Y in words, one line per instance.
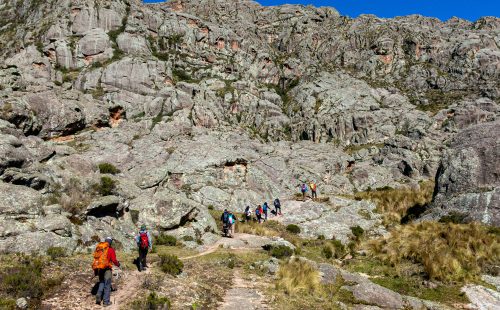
column 257, row 211
column 231, row 220
column 225, row 217
column 264, row 207
column 101, row 260
column 304, row 188
column 277, row 203
column 313, row 187
column 143, row 240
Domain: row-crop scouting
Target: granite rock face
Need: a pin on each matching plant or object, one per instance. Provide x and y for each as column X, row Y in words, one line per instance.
column 228, row 103
column 468, row 180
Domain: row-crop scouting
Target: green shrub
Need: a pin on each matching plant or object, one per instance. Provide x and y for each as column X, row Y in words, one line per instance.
column 7, row 303
column 107, row 168
column 25, row 280
column 321, row 237
column 453, row 217
column 166, row 240
column 294, row 229
column 188, row 238
column 151, row 302
column 171, row 264
column 357, row 231
column 154, row 301
column 56, row 252
column 106, row 186
column 210, row 207
column 327, row 252
column 281, row 251
column 339, row 248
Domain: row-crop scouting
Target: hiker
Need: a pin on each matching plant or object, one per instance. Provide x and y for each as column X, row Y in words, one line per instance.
column 248, row 214
column 277, row 206
column 144, row 243
column 104, row 259
column 258, row 213
column 232, row 224
column 225, row 222
column 265, row 209
column 303, row 189
column 313, row 187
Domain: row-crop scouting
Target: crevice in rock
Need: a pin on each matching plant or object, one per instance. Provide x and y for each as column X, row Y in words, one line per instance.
column 116, row 114
column 239, row 161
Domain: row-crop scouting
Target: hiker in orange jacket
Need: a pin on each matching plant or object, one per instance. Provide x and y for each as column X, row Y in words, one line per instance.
column 104, row 259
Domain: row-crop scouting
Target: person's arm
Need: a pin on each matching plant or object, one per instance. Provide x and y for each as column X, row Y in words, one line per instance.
column 112, row 257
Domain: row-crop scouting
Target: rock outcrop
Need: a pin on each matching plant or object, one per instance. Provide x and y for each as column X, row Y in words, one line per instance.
column 468, row 180
column 226, row 104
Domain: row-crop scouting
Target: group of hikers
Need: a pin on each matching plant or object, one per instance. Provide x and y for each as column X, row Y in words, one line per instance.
column 304, row 189
column 261, row 212
column 105, row 255
column 105, row 259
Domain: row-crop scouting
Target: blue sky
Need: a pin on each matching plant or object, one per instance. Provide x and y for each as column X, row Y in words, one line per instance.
column 442, row 9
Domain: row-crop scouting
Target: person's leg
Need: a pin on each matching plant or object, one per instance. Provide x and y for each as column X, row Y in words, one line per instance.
column 146, row 257
column 108, row 276
column 304, row 196
column 233, row 227
column 100, row 289
column 142, row 260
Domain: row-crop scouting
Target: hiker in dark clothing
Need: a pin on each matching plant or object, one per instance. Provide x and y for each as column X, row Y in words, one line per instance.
column 277, row 206
column 104, row 259
column 248, row 214
column 225, row 222
column 265, row 208
column 144, row 243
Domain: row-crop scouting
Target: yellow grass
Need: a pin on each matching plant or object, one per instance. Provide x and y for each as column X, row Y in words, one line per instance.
column 394, row 203
column 447, row 251
column 297, row 277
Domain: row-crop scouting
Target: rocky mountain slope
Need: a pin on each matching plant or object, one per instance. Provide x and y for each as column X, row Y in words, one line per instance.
column 227, row 103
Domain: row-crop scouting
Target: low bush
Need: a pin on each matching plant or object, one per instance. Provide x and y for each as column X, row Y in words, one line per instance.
column 339, row 248
column 447, row 251
column 294, row 229
column 25, row 280
column 7, row 303
column 163, row 239
column 151, row 302
column 106, row 187
column 107, row 168
column 281, row 251
column 327, row 252
column 453, row 217
column 171, row 264
column 56, row 252
column 357, row 231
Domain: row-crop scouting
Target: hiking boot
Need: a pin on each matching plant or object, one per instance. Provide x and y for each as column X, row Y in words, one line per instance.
column 108, row 304
column 98, row 299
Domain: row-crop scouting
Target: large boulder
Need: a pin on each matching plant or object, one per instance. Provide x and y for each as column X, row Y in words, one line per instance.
column 468, row 180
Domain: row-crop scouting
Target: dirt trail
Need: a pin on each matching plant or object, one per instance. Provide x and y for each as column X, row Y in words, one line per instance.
column 244, row 294
column 77, row 294
column 240, row 242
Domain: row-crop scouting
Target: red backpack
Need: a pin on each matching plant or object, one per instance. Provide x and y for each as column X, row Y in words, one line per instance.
column 144, row 242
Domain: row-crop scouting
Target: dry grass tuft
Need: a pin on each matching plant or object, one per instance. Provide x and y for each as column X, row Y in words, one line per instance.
column 255, row 228
column 297, row 277
column 447, row 251
column 396, row 204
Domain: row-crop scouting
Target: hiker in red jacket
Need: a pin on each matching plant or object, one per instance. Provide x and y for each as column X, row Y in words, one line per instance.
column 104, row 259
